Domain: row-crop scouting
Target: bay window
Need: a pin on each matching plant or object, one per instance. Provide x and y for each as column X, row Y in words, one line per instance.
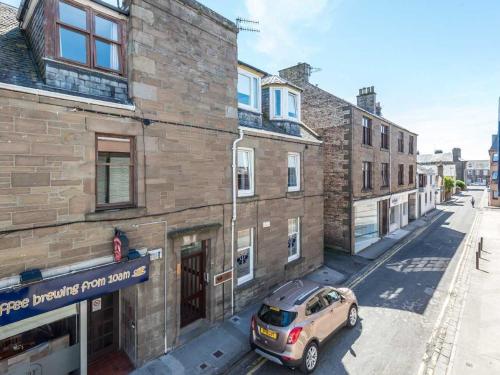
column 245, row 172
column 292, row 105
column 285, row 104
column 88, row 38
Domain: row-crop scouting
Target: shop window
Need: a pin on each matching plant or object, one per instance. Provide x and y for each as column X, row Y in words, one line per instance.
column 244, row 256
column 293, row 239
column 114, row 171
column 365, row 222
column 367, row 131
column 293, row 171
column 245, row 172
column 88, row 38
column 392, row 215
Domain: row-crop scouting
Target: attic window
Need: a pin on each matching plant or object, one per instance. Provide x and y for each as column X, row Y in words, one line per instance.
column 88, row 38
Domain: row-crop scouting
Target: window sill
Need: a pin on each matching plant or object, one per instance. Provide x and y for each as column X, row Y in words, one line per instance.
column 247, row 198
column 384, row 149
column 384, row 187
column 295, row 194
column 247, row 284
column 366, row 145
column 294, row 263
column 367, row 190
column 116, row 213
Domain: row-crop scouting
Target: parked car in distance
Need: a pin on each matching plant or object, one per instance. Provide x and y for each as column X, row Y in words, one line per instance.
column 297, row 318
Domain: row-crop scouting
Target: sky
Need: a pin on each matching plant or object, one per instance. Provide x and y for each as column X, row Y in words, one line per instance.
column 434, row 64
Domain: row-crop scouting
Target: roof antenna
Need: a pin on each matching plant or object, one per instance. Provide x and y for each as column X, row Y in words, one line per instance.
column 243, row 21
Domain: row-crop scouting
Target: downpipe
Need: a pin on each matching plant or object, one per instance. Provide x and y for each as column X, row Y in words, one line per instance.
column 233, row 219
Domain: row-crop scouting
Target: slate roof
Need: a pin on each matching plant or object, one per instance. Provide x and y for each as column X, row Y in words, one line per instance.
column 17, row 66
column 277, row 80
column 446, row 157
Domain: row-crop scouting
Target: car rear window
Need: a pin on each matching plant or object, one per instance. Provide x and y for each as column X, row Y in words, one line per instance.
column 276, row 317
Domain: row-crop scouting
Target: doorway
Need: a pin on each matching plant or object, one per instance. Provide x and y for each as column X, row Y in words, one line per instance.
column 193, row 263
column 103, row 330
column 383, row 210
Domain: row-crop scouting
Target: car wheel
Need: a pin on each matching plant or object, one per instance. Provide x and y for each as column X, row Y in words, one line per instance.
column 310, row 358
column 352, row 318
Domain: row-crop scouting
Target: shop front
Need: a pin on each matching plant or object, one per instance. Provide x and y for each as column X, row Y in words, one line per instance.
column 399, row 209
column 64, row 324
column 366, row 224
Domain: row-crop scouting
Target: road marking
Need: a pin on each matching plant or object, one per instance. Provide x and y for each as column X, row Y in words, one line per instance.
column 259, row 364
column 467, row 245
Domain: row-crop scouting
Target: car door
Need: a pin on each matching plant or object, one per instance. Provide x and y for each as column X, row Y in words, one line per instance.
column 319, row 320
column 337, row 308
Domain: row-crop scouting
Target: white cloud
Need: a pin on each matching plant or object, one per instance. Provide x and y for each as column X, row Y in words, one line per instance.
column 289, row 27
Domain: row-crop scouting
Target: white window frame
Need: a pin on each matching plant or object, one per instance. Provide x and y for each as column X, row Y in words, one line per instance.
column 296, row 155
column 246, row 278
column 249, row 192
column 285, row 91
column 295, row 256
column 297, row 98
column 252, row 93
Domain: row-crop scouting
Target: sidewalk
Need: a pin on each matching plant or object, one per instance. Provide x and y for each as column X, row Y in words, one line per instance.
column 476, row 348
column 219, row 347
column 348, row 265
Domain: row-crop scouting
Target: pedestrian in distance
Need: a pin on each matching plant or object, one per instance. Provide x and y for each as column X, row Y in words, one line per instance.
column 472, row 201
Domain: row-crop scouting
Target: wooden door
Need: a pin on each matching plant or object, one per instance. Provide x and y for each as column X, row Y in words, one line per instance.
column 193, row 286
column 103, row 330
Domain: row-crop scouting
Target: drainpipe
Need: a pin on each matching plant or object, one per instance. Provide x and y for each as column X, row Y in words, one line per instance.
column 233, row 220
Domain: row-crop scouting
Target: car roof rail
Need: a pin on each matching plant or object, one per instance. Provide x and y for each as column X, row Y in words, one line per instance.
column 300, row 300
column 285, row 284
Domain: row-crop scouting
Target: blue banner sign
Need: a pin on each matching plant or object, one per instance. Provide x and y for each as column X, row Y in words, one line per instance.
column 33, row 299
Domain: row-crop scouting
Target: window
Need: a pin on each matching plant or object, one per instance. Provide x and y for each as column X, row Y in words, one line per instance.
column 114, row 171
column 401, row 174
column 410, row 144
column 315, row 304
column 494, row 175
column 385, row 174
column 495, row 157
column 88, row 38
column 293, row 239
column 422, row 180
column 410, row 174
column 367, row 131
column 285, row 104
column 244, row 256
column 277, row 103
column 401, row 142
column 293, row 171
column 367, row 175
column 245, row 172
column 430, row 197
column 276, row 317
column 248, row 91
column 425, row 196
column 495, row 194
column 384, row 137
column 331, row 296
column 392, row 215
column 405, row 208
column 292, row 105
column 430, row 179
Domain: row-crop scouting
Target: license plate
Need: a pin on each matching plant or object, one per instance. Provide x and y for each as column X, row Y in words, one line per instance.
column 268, row 333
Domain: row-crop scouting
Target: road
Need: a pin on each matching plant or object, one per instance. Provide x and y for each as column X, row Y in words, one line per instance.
column 400, row 303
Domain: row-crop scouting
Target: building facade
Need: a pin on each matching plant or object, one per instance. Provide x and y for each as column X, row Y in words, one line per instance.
column 477, row 172
column 428, row 195
column 369, row 164
column 493, row 199
column 444, row 165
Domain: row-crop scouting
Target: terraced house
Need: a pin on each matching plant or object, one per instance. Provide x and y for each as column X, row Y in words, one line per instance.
column 369, row 164
column 145, row 190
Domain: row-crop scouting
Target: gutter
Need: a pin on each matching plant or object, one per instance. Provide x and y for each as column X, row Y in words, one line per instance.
column 233, row 219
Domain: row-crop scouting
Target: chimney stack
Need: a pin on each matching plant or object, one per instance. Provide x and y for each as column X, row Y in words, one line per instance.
column 367, row 99
column 457, row 154
column 298, row 74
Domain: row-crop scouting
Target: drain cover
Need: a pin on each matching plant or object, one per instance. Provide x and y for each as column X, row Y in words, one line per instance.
column 203, row 366
column 218, row 354
column 235, row 319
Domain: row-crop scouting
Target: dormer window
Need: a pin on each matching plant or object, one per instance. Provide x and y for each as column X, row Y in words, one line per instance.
column 287, row 109
column 248, row 91
column 89, row 38
column 292, row 105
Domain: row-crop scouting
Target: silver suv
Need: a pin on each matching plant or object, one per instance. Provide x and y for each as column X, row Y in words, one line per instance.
column 297, row 318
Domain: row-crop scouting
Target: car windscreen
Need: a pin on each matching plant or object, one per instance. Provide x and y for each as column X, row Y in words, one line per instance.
column 276, row 317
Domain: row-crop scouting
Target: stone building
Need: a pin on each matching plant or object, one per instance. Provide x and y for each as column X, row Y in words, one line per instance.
column 493, row 199
column 477, row 172
column 428, row 196
column 279, row 226
column 369, row 164
column 445, row 165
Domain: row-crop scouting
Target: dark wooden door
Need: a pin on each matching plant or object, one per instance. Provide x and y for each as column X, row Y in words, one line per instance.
column 102, row 331
column 192, row 287
column 384, row 220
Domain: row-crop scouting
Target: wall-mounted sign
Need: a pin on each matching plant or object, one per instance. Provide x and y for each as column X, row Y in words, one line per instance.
column 96, row 304
column 266, row 224
column 25, row 301
column 223, row 277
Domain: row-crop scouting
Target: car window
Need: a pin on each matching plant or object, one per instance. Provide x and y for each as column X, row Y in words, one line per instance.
column 332, row 296
column 275, row 316
column 315, row 304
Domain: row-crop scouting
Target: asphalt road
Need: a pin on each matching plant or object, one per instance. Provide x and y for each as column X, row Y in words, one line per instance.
column 399, row 303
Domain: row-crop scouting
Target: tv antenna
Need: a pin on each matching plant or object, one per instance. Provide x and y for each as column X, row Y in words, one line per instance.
column 241, row 24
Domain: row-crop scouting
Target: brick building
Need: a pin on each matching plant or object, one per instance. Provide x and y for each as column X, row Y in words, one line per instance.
column 125, row 116
column 369, row 164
